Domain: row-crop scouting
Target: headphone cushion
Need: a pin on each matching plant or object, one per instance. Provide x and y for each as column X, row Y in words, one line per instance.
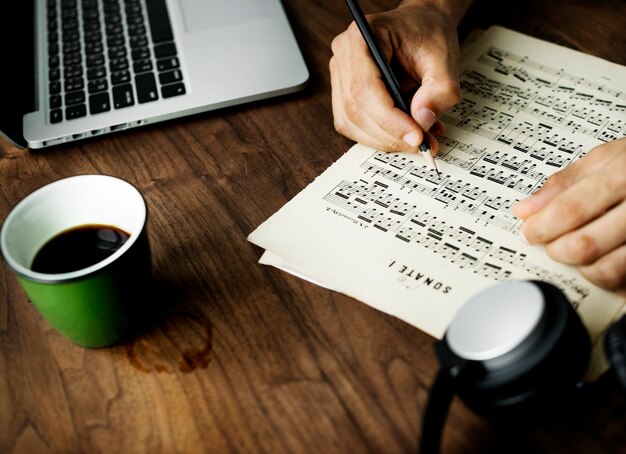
column 545, row 373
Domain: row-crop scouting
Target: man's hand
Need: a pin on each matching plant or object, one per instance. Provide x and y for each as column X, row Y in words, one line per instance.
column 580, row 216
column 421, row 36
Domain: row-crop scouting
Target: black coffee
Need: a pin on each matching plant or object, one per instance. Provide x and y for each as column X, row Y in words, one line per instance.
column 78, row 248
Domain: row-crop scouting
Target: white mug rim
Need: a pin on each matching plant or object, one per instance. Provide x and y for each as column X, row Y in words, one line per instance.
column 29, row 274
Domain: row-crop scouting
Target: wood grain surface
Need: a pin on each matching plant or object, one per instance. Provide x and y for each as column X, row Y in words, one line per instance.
column 235, row 356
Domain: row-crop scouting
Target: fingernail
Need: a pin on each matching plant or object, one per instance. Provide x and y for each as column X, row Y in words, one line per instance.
column 425, row 118
column 412, row 139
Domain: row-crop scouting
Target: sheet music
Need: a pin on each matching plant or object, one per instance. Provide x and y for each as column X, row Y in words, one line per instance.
column 387, row 230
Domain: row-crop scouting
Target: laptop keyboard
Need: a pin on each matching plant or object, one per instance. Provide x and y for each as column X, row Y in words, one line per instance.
column 102, row 57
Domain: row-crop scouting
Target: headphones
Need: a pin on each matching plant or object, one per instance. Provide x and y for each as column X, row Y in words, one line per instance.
column 516, row 347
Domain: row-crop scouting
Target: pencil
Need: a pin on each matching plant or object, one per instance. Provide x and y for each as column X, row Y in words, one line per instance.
column 391, row 82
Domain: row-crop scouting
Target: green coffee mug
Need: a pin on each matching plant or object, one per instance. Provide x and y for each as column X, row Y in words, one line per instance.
column 98, row 305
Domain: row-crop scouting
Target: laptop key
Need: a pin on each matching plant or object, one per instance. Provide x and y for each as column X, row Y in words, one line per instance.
column 53, row 61
column 53, row 49
column 56, row 115
column 90, row 14
column 54, row 74
column 95, row 60
column 123, row 96
column 167, row 63
column 116, row 41
column 141, row 53
column 53, row 36
column 113, row 18
column 73, row 46
column 99, row 102
column 71, row 35
column 142, row 66
column 97, row 85
column 119, row 64
column 73, row 71
column 93, row 37
column 117, row 52
column 94, row 48
column 138, row 41
column 159, row 19
column 74, row 84
column 54, row 88
column 69, row 24
column 168, row 91
column 133, row 17
column 111, row 7
column 170, row 76
column 74, row 97
column 113, row 29
column 96, row 72
column 71, row 59
column 132, row 12
column 55, row 101
column 136, row 30
column 68, row 13
column 91, row 25
column 120, row 77
column 76, row 111
column 146, row 88
column 52, row 13
column 52, row 25
column 164, row 50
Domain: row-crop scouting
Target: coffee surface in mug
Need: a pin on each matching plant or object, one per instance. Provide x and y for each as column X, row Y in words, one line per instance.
column 78, row 248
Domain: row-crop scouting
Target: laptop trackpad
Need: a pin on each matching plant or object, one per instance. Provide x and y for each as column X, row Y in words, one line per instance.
column 202, row 15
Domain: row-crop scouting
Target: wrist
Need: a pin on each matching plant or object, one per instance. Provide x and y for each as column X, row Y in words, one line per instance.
column 455, row 9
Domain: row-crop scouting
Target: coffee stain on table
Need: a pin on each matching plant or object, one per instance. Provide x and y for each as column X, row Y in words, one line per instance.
column 177, row 342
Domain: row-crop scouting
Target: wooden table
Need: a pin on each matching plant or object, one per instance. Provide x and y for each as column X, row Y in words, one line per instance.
column 241, row 357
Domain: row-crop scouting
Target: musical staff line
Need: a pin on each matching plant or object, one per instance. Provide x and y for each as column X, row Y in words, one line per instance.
column 374, row 205
column 596, row 119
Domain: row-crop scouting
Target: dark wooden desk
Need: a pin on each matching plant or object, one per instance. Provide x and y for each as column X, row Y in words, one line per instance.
column 240, row 357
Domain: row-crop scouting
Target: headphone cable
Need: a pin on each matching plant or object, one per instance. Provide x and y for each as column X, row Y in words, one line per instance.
column 447, row 381
column 441, row 394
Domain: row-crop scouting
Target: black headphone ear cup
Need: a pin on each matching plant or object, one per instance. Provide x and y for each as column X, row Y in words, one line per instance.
column 615, row 349
column 538, row 361
column 544, row 373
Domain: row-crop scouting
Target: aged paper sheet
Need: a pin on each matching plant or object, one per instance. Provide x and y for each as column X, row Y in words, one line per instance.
column 390, row 232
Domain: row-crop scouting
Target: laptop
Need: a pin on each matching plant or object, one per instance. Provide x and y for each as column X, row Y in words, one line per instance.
column 84, row 68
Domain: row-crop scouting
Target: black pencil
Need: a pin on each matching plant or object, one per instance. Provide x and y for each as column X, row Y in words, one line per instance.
column 391, row 82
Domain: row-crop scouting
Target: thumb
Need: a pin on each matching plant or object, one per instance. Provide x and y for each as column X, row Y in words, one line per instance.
column 438, row 92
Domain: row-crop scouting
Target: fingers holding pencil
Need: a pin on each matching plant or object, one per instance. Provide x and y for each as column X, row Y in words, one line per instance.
column 364, row 109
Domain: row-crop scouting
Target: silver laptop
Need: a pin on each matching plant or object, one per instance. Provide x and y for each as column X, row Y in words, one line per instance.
column 102, row 66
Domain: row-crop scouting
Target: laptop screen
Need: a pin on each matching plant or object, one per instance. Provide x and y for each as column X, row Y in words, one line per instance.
column 17, row 73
